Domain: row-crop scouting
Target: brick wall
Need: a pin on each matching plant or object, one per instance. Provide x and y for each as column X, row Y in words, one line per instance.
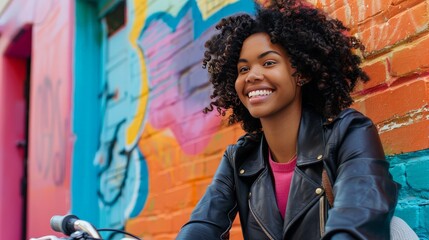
column 182, row 147
column 396, row 37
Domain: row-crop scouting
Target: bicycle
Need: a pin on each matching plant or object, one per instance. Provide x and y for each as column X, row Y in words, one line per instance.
column 77, row 229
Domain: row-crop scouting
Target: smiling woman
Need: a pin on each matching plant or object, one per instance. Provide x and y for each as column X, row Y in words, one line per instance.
column 287, row 74
column 265, row 84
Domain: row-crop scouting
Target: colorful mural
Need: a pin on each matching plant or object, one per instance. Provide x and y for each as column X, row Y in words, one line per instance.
column 162, row 93
column 180, row 144
column 161, row 150
column 116, row 129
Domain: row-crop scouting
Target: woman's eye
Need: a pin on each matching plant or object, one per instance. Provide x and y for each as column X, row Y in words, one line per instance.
column 243, row 69
column 269, row 63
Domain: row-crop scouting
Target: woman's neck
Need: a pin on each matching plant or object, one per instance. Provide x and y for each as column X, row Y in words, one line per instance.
column 281, row 133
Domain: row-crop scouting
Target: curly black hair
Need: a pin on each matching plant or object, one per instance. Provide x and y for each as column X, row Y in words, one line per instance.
column 319, row 48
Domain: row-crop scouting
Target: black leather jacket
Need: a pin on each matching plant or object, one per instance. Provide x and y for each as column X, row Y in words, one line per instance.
column 348, row 147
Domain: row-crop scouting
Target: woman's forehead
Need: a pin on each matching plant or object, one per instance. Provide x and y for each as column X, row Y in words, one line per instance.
column 258, row 43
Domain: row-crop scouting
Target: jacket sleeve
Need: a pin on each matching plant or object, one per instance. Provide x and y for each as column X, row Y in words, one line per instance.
column 365, row 194
column 213, row 216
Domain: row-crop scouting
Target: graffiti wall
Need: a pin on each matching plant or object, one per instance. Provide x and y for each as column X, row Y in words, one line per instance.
column 157, row 149
column 155, row 134
column 116, row 129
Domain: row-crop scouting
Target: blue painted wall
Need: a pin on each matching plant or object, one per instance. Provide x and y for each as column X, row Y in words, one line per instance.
column 411, row 170
column 86, row 111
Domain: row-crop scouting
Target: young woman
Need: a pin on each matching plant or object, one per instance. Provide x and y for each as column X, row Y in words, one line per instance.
column 287, row 74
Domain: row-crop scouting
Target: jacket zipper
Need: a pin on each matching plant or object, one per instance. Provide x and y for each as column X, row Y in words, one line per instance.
column 230, row 222
column 322, row 215
column 259, row 223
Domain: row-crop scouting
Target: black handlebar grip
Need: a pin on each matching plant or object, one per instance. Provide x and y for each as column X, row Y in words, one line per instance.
column 64, row 224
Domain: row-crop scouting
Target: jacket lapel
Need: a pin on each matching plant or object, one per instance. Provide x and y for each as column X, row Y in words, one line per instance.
column 310, row 138
column 263, row 205
column 310, row 152
column 262, row 199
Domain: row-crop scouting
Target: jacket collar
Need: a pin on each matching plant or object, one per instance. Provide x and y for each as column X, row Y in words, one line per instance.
column 310, row 135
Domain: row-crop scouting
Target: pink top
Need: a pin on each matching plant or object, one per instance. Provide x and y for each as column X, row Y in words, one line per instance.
column 282, row 173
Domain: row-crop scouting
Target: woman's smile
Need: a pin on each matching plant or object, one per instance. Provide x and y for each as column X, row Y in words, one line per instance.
column 259, row 93
column 259, row 96
column 265, row 84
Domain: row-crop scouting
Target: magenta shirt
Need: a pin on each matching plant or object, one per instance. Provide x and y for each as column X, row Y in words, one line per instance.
column 283, row 173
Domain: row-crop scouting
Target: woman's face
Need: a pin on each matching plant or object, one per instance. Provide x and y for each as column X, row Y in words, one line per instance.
column 265, row 84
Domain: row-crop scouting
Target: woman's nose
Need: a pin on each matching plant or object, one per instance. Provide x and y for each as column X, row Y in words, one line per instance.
column 254, row 75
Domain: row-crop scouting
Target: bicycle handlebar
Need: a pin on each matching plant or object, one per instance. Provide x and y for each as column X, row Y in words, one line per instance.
column 70, row 225
column 49, row 237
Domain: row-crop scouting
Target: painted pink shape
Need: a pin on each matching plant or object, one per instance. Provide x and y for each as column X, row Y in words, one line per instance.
column 179, row 88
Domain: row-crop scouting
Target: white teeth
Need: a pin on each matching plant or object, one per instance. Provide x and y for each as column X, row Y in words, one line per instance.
column 258, row 93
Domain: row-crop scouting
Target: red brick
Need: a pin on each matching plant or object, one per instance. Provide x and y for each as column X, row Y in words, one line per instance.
column 134, row 226
column 238, row 131
column 357, row 12
column 334, row 5
column 398, row 6
column 412, row 59
column 407, row 23
column 377, row 71
column 409, row 138
column 360, row 106
column 146, row 237
column 163, row 237
column 211, row 164
column 379, row 13
column 194, row 170
column 341, row 14
column 159, row 181
column 158, row 204
column 201, row 187
column 236, row 233
column 395, row 101
column 171, row 154
column 198, row 169
column 382, row 34
column 177, row 198
column 159, row 224
column 236, row 220
column 149, row 226
column 221, row 140
column 370, row 8
column 150, row 207
column 189, row 172
column 179, row 218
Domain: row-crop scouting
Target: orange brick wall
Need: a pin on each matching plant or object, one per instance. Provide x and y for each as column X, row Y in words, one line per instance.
column 395, row 34
column 396, row 58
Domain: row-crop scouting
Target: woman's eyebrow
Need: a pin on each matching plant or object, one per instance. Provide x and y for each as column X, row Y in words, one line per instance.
column 260, row 55
column 266, row 53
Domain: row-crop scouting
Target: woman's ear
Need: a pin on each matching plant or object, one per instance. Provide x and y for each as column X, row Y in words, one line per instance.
column 300, row 80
